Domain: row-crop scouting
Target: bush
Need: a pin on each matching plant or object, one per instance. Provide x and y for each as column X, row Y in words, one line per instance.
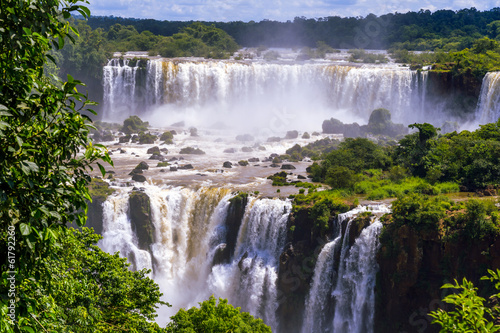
column 134, row 124
column 147, row 138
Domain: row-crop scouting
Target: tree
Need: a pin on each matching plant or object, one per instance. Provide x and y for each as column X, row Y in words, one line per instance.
column 470, row 313
column 215, row 317
column 45, row 154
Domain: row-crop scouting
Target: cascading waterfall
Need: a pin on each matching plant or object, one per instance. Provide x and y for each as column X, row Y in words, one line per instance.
column 257, row 91
column 344, row 278
column 118, row 235
column 189, row 228
column 488, row 109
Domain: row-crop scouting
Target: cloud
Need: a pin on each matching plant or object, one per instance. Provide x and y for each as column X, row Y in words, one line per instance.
column 281, row 10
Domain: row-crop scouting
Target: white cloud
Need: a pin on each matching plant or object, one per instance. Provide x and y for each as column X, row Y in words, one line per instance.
column 234, row 10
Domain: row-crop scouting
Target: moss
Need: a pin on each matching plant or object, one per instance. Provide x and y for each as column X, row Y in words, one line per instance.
column 162, row 164
column 99, row 189
column 192, row 151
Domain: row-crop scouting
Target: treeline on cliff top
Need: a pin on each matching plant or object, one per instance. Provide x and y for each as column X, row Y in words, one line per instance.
column 370, row 32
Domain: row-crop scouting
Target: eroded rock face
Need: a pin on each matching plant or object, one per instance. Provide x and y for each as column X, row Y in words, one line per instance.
column 413, row 267
column 140, row 218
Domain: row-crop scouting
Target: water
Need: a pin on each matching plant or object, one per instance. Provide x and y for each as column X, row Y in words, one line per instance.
column 488, row 109
column 189, row 228
column 256, row 95
column 341, row 297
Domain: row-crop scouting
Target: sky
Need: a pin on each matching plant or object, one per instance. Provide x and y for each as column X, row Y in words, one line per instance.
column 279, row 10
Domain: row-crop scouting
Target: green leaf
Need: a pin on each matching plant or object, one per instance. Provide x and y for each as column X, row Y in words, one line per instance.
column 25, row 229
column 103, row 171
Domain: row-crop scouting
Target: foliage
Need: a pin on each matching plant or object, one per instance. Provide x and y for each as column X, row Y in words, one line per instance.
column 134, row 124
column 45, row 154
column 91, row 290
column 468, row 158
column 213, row 316
column 198, row 40
column 470, row 313
column 359, row 55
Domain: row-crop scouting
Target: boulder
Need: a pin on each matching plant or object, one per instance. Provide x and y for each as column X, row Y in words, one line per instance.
column 227, row 164
column 173, row 168
column 247, row 149
column 287, row 167
column 253, row 159
column 186, row 167
column 243, row 163
column 153, row 150
column 292, row 135
column 139, row 178
column 142, row 166
column 230, row 150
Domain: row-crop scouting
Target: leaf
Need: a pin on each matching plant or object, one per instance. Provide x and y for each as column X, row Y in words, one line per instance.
column 103, row 171
column 25, row 229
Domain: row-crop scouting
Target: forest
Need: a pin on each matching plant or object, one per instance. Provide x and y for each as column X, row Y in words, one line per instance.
column 63, row 282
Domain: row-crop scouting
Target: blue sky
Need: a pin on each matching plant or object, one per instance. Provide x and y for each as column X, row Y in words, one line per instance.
column 281, row 10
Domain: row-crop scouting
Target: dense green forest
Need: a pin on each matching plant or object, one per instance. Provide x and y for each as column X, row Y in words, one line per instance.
column 422, row 30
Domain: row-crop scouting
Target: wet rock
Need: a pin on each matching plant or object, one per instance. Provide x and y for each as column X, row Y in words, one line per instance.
column 287, row 167
column 274, row 165
column 292, row 135
column 247, row 149
column 125, row 139
column 301, row 177
column 173, row 159
column 157, row 157
column 153, row 150
column 253, row 159
column 164, row 150
column 221, row 254
column 245, row 137
column 139, row 178
column 142, row 166
column 274, row 139
column 140, row 219
column 173, row 168
column 135, row 172
column 230, row 150
column 186, row 167
column 227, row 164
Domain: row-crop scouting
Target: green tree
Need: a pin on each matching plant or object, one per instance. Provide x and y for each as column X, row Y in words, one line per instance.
column 45, row 153
column 469, row 313
column 215, row 317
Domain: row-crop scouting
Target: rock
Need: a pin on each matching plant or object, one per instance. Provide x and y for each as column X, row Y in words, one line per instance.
column 140, row 219
column 173, row 168
column 163, row 170
column 157, row 157
column 227, row 164
column 178, row 124
column 173, row 159
column 123, row 151
column 139, row 178
column 301, row 177
column 274, row 139
column 164, row 150
column 243, row 163
column 274, row 165
column 287, row 167
column 253, row 159
column 135, row 172
column 186, row 167
column 306, row 136
column 125, row 139
column 273, row 155
column 247, row 149
column 245, row 137
column 221, row 254
column 230, row 150
column 192, row 151
column 142, row 166
column 292, row 135
column 153, row 150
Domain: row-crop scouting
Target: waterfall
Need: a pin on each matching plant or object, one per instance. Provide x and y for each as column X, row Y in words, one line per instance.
column 344, row 278
column 189, row 228
column 249, row 281
column 488, row 109
column 256, row 92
